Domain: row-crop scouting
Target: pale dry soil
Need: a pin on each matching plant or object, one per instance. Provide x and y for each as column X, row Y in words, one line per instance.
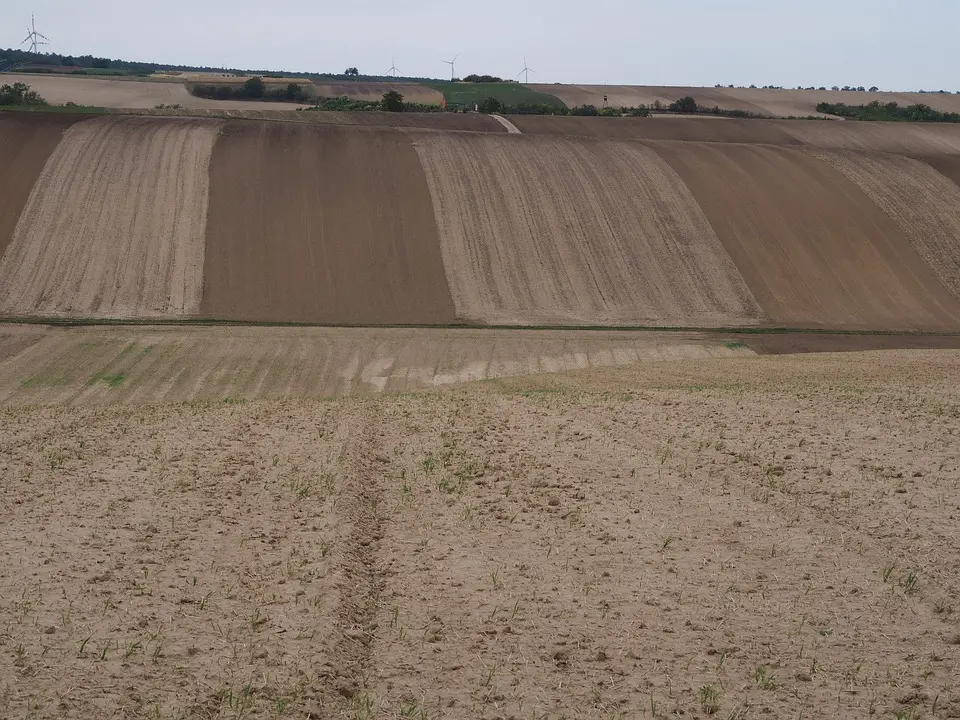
column 747, row 537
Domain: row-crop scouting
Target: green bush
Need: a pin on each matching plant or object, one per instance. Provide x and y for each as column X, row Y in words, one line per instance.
column 20, row 94
column 490, row 105
column 684, row 105
column 392, row 101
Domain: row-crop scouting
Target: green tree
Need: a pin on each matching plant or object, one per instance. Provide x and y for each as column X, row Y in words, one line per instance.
column 254, row 87
column 684, row 105
column 490, row 105
column 392, row 101
column 352, row 71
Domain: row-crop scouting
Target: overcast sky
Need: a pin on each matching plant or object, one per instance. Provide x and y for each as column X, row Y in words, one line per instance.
column 895, row 44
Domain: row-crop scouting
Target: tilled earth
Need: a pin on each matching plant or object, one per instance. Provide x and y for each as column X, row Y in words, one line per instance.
column 739, row 537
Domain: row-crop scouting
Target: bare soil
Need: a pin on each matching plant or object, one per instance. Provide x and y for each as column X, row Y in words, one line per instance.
column 126, row 93
column 114, row 225
column 137, row 365
column 375, row 90
column 661, row 128
column 539, row 230
column 800, row 342
column 742, row 537
column 814, row 250
column 25, row 145
column 923, row 204
column 318, row 223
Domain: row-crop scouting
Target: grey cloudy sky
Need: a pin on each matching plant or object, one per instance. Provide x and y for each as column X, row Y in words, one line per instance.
column 895, row 44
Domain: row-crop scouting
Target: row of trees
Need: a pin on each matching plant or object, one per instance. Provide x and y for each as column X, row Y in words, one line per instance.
column 253, row 89
column 889, row 111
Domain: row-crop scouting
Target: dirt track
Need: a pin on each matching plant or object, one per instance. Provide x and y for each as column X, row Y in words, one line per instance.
column 25, row 146
column 321, row 224
column 671, row 128
column 813, row 249
column 778, row 531
column 544, row 230
column 114, row 226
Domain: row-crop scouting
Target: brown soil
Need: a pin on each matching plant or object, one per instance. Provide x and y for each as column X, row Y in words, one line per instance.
column 666, row 128
column 923, row 204
column 114, row 226
column 25, row 144
column 137, row 365
column 319, row 223
column 946, row 165
column 892, row 137
column 374, row 91
column 812, row 247
column 762, row 536
column 539, row 230
column 786, row 343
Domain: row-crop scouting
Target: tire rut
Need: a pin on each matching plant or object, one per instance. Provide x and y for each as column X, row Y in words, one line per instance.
column 361, row 577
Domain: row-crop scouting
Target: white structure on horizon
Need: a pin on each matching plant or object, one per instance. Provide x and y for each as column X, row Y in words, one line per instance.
column 32, row 36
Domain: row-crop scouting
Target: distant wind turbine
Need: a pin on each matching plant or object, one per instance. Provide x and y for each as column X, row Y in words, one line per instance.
column 393, row 67
column 526, row 71
column 32, row 36
column 453, row 73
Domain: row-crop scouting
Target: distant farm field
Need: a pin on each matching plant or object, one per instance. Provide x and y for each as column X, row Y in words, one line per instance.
column 470, row 94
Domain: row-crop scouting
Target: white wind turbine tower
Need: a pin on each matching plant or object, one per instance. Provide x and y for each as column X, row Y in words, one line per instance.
column 453, row 74
column 393, row 67
column 32, row 36
column 526, row 72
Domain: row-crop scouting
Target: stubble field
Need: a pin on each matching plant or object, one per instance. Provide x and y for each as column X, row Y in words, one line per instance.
column 743, row 537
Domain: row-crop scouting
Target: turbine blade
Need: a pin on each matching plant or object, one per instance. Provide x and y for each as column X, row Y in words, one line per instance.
column 43, row 36
column 27, row 40
column 455, row 58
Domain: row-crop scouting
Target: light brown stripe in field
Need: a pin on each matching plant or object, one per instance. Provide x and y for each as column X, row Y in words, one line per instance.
column 135, row 365
column 114, row 226
column 549, row 230
column 923, row 204
column 813, row 248
column 321, row 224
column 26, row 141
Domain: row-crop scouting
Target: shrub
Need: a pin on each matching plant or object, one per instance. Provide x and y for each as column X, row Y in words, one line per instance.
column 684, row 105
column 20, row 94
column 392, row 101
column 490, row 105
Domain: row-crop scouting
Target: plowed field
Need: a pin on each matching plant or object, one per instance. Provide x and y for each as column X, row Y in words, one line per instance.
column 812, row 247
column 661, row 128
column 722, row 537
column 924, row 205
column 25, row 145
column 128, row 94
column 321, row 224
column 114, row 226
column 538, row 230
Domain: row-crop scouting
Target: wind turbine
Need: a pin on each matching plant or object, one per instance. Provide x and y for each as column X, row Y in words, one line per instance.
column 526, row 71
column 393, row 67
column 32, row 36
column 453, row 74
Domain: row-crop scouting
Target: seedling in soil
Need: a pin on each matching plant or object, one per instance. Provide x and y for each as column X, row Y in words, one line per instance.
column 709, row 699
column 765, row 679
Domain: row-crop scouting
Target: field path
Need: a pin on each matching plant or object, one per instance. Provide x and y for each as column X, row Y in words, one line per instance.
column 115, row 224
column 813, row 248
column 538, row 230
